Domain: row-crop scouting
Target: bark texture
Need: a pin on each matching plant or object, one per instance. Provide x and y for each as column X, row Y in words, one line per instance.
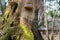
column 20, row 21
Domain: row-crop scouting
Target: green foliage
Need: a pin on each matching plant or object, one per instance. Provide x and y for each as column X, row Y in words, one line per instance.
column 51, row 13
column 59, row 2
column 59, row 9
column 49, row 21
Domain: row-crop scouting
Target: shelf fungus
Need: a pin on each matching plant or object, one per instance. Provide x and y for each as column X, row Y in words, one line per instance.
column 28, row 6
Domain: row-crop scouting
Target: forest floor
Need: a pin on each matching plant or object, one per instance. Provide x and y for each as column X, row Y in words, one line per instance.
column 56, row 36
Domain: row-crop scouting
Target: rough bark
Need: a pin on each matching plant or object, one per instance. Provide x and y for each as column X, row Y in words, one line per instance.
column 20, row 21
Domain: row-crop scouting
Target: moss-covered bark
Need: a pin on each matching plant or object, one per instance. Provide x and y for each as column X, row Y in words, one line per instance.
column 11, row 28
column 18, row 20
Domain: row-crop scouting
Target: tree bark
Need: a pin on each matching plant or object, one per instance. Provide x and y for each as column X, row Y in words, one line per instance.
column 21, row 21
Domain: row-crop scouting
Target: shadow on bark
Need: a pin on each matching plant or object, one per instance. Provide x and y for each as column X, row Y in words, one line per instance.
column 37, row 34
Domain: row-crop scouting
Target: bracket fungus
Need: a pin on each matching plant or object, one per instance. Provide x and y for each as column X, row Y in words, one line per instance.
column 28, row 6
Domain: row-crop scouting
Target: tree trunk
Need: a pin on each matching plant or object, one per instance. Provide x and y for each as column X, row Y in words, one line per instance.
column 20, row 21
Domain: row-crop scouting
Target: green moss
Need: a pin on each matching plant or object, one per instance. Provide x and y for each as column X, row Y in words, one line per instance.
column 27, row 34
